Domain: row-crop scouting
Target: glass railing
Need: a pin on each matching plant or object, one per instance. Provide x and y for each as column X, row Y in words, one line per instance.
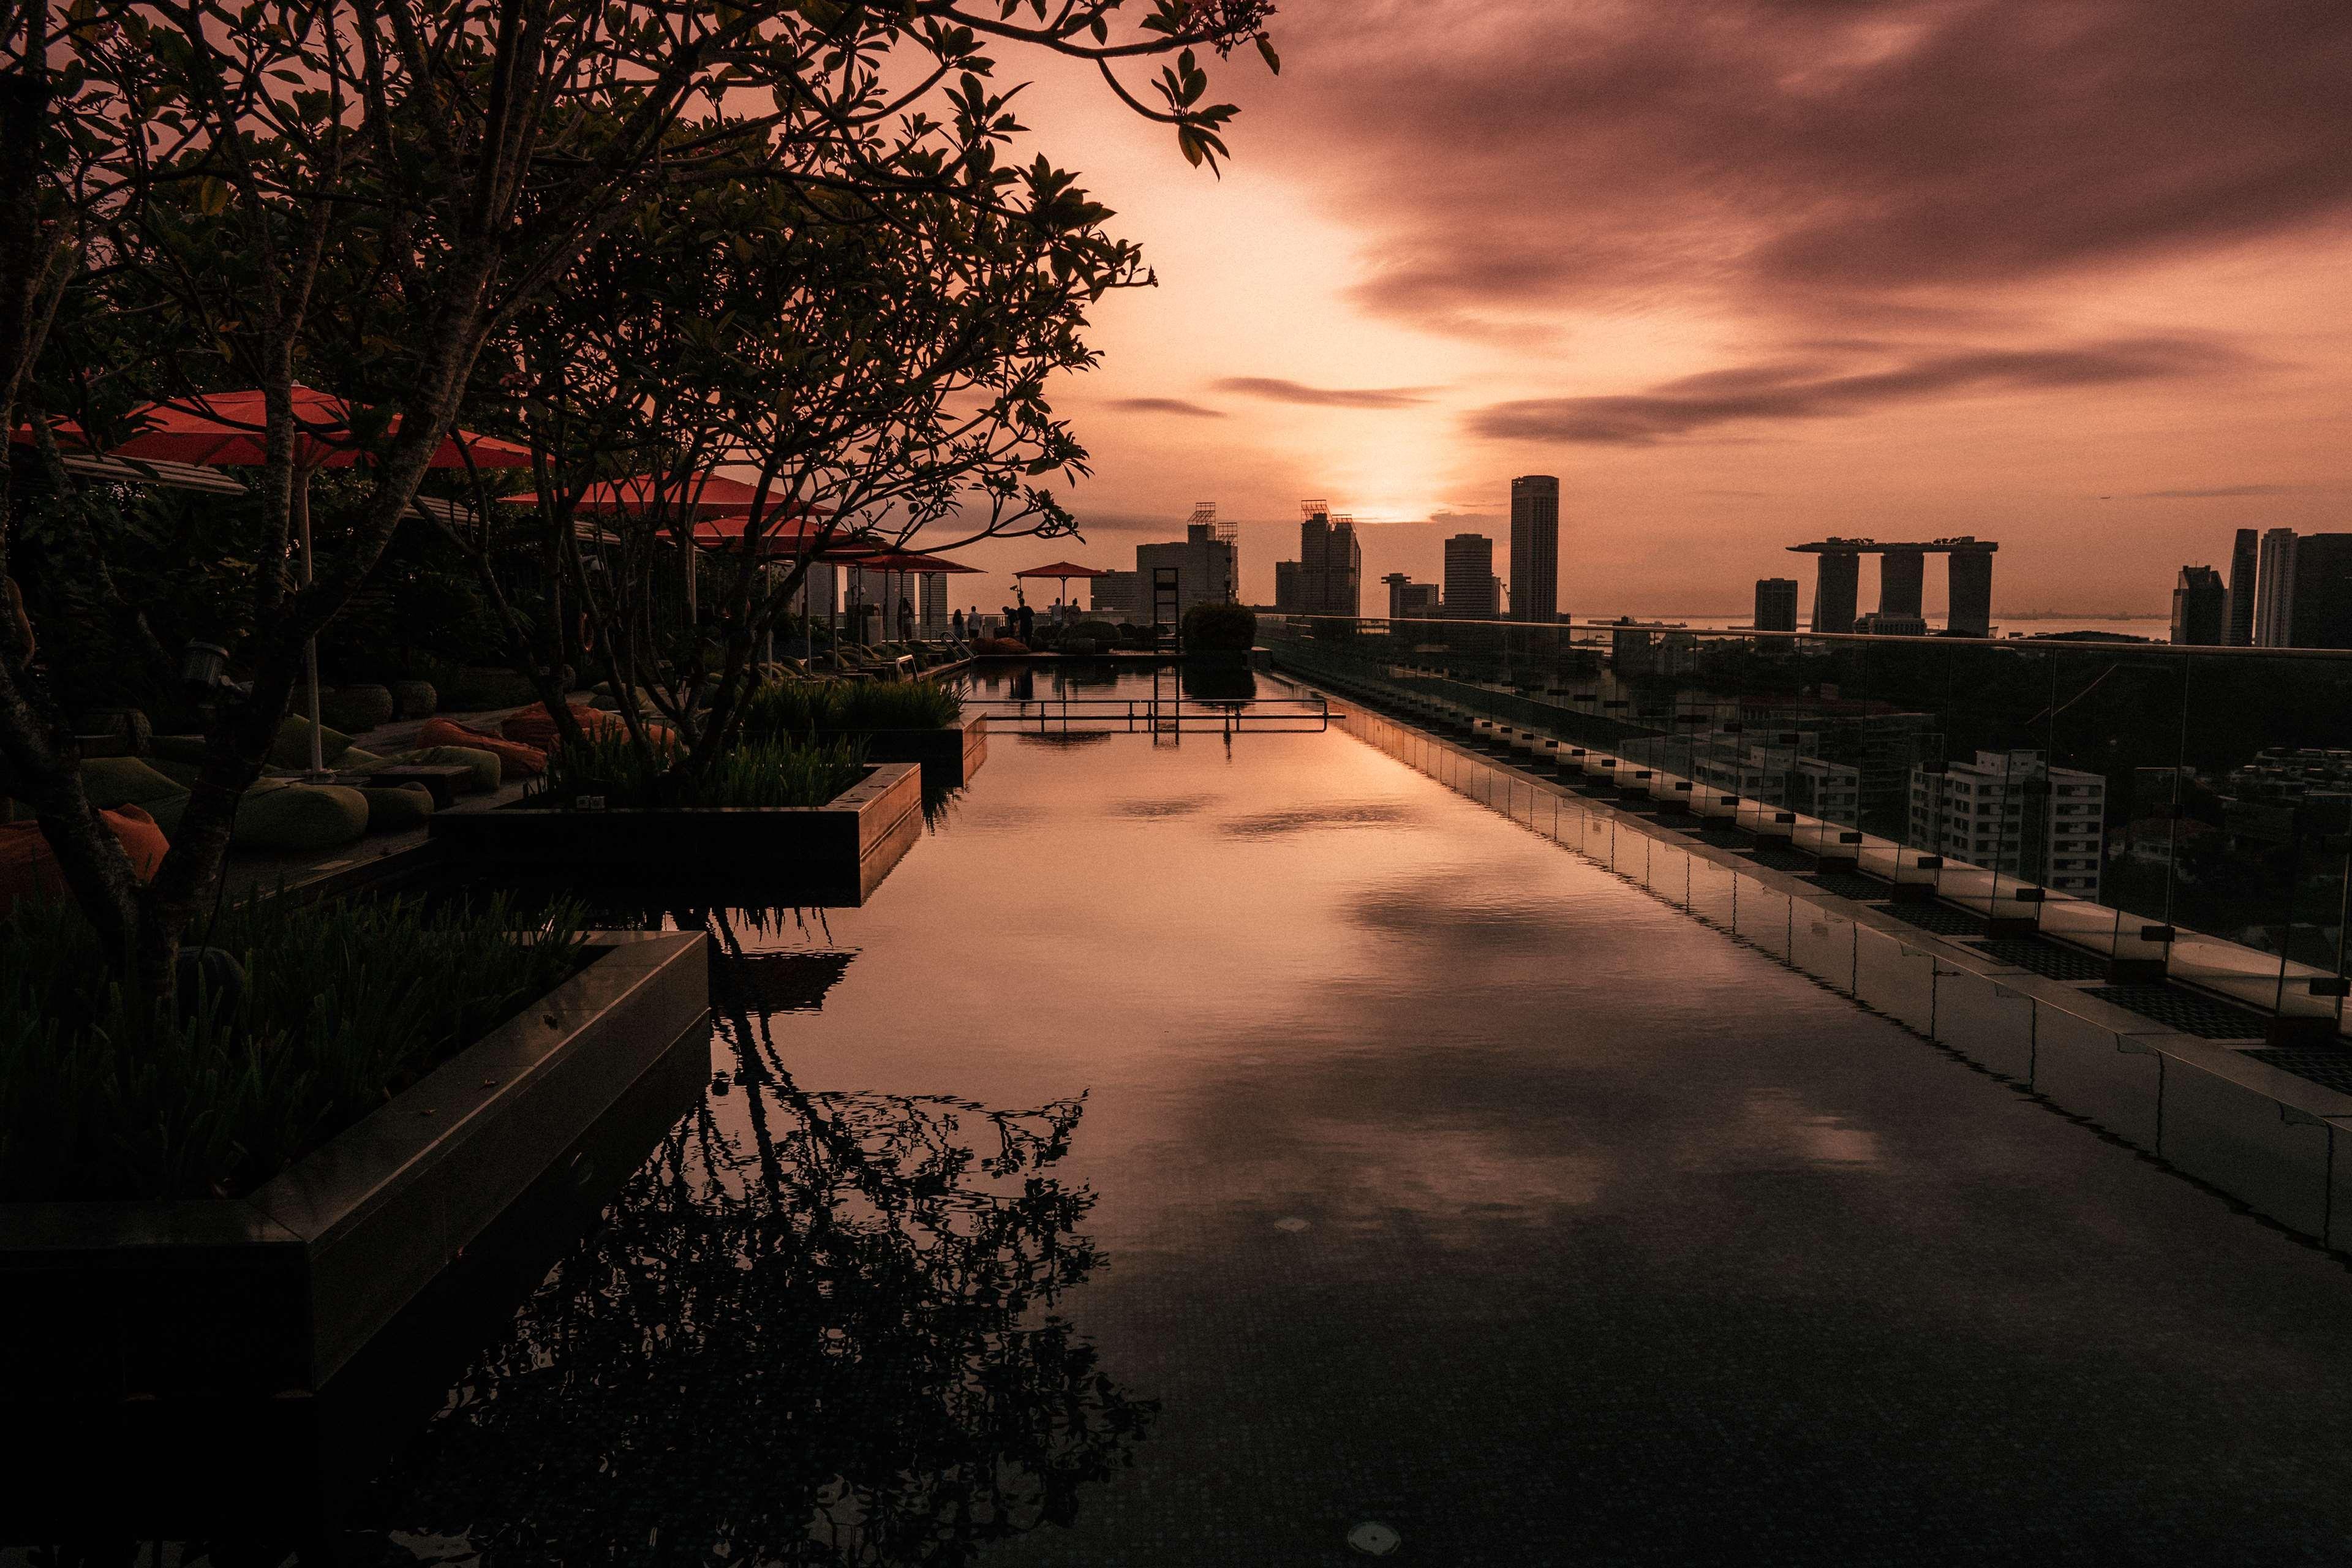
column 2179, row 813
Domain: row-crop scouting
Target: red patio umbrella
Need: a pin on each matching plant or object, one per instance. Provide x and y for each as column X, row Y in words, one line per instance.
column 908, row 563
column 1062, row 572
column 710, row 495
column 230, row 429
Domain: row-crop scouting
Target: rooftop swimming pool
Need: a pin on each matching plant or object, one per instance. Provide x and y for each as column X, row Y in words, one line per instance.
column 1209, row 1149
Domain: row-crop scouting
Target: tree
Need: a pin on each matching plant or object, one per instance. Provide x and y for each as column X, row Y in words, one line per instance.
column 367, row 193
column 826, row 1329
column 877, row 358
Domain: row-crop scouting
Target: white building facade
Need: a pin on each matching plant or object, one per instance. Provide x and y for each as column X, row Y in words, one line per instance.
column 2011, row 811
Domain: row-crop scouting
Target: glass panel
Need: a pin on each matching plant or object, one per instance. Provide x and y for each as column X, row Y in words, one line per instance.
column 1670, row 872
column 2093, row 1072
column 1986, row 1022
column 1762, row 917
column 1894, row 977
column 2222, row 1132
column 1711, row 890
column 2183, row 811
column 1822, row 944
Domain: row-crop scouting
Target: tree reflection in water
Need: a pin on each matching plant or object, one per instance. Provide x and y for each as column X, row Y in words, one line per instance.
column 815, row 1328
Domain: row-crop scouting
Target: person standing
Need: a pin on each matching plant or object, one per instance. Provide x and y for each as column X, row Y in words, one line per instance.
column 906, row 620
column 955, row 623
column 1028, row 624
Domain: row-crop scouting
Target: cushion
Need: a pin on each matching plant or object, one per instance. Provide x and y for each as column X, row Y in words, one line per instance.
column 273, row 814
column 398, row 808
column 111, row 781
column 184, row 773
column 291, row 749
column 516, row 759
column 535, row 726
column 487, row 770
column 29, row 867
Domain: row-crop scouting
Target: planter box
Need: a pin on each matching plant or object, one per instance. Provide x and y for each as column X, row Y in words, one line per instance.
column 835, row 853
column 268, row 1295
column 949, row 755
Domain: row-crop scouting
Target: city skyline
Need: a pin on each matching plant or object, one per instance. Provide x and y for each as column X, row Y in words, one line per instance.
column 1522, row 266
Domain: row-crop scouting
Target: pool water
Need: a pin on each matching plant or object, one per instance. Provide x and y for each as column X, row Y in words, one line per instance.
column 1213, row 1150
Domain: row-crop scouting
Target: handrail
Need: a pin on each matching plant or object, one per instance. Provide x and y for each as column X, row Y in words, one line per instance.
column 1930, row 640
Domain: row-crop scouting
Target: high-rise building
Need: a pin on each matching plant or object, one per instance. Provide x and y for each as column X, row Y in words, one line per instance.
column 1408, row 600
column 2274, row 591
column 1470, row 587
column 1119, row 595
column 2200, row 608
column 1534, row 548
column 1893, row 623
column 2323, row 591
column 2009, row 810
column 1328, row 578
column 2243, row 555
column 1836, row 588
column 1776, row 603
column 1207, row 572
column 1968, row 588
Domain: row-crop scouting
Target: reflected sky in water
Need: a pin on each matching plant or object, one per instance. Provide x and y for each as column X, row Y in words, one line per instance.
column 1195, row 1151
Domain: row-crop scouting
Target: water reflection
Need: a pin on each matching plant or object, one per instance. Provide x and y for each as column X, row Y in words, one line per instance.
column 816, row 1327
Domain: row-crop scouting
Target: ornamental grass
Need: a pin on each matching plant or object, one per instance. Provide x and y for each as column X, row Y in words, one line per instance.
column 341, row 1007
column 803, row 709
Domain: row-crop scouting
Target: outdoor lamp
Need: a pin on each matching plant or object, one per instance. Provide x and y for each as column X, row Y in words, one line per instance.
column 201, row 667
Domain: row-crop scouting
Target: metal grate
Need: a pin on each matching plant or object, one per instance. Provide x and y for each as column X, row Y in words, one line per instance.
column 1775, row 857
column 2041, row 958
column 2323, row 1065
column 1939, row 919
column 1852, row 884
column 2184, row 1010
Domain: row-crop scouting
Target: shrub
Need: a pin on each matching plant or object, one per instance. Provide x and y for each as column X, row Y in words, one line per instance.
column 803, row 709
column 1220, row 628
column 342, row 1006
column 758, row 772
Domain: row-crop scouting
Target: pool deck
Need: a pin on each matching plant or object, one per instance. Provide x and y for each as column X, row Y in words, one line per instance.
column 1448, row 1183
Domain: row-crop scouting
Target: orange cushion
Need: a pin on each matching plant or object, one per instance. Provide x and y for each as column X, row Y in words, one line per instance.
column 536, row 726
column 29, row 867
column 518, row 759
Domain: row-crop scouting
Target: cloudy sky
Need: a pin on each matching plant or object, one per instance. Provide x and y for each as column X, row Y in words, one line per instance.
column 2071, row 274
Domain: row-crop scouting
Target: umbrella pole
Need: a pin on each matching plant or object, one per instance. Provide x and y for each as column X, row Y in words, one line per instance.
column 301, row 508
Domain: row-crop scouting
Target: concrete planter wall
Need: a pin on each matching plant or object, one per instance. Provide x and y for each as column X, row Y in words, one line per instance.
column 270, row 1294
column 949, row 755
column 835, row 853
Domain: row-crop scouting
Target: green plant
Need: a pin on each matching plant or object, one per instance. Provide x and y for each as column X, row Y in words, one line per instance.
column 342, row 1007
column 810, row 707
column 767, row 771
column 1220, row 628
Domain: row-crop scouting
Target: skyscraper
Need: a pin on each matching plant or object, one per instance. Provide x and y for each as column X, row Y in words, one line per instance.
column 2200, row 608
column 1408, row 600
column 1776, row 603
column 2243, row 553
column 1836, row 584
column 2274, row 591
column 1534, row 548
column 1328, row 578
column 2323, row 591
column 1470, row 589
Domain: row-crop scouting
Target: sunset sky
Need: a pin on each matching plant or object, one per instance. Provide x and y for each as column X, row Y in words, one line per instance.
column 2071, row 274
